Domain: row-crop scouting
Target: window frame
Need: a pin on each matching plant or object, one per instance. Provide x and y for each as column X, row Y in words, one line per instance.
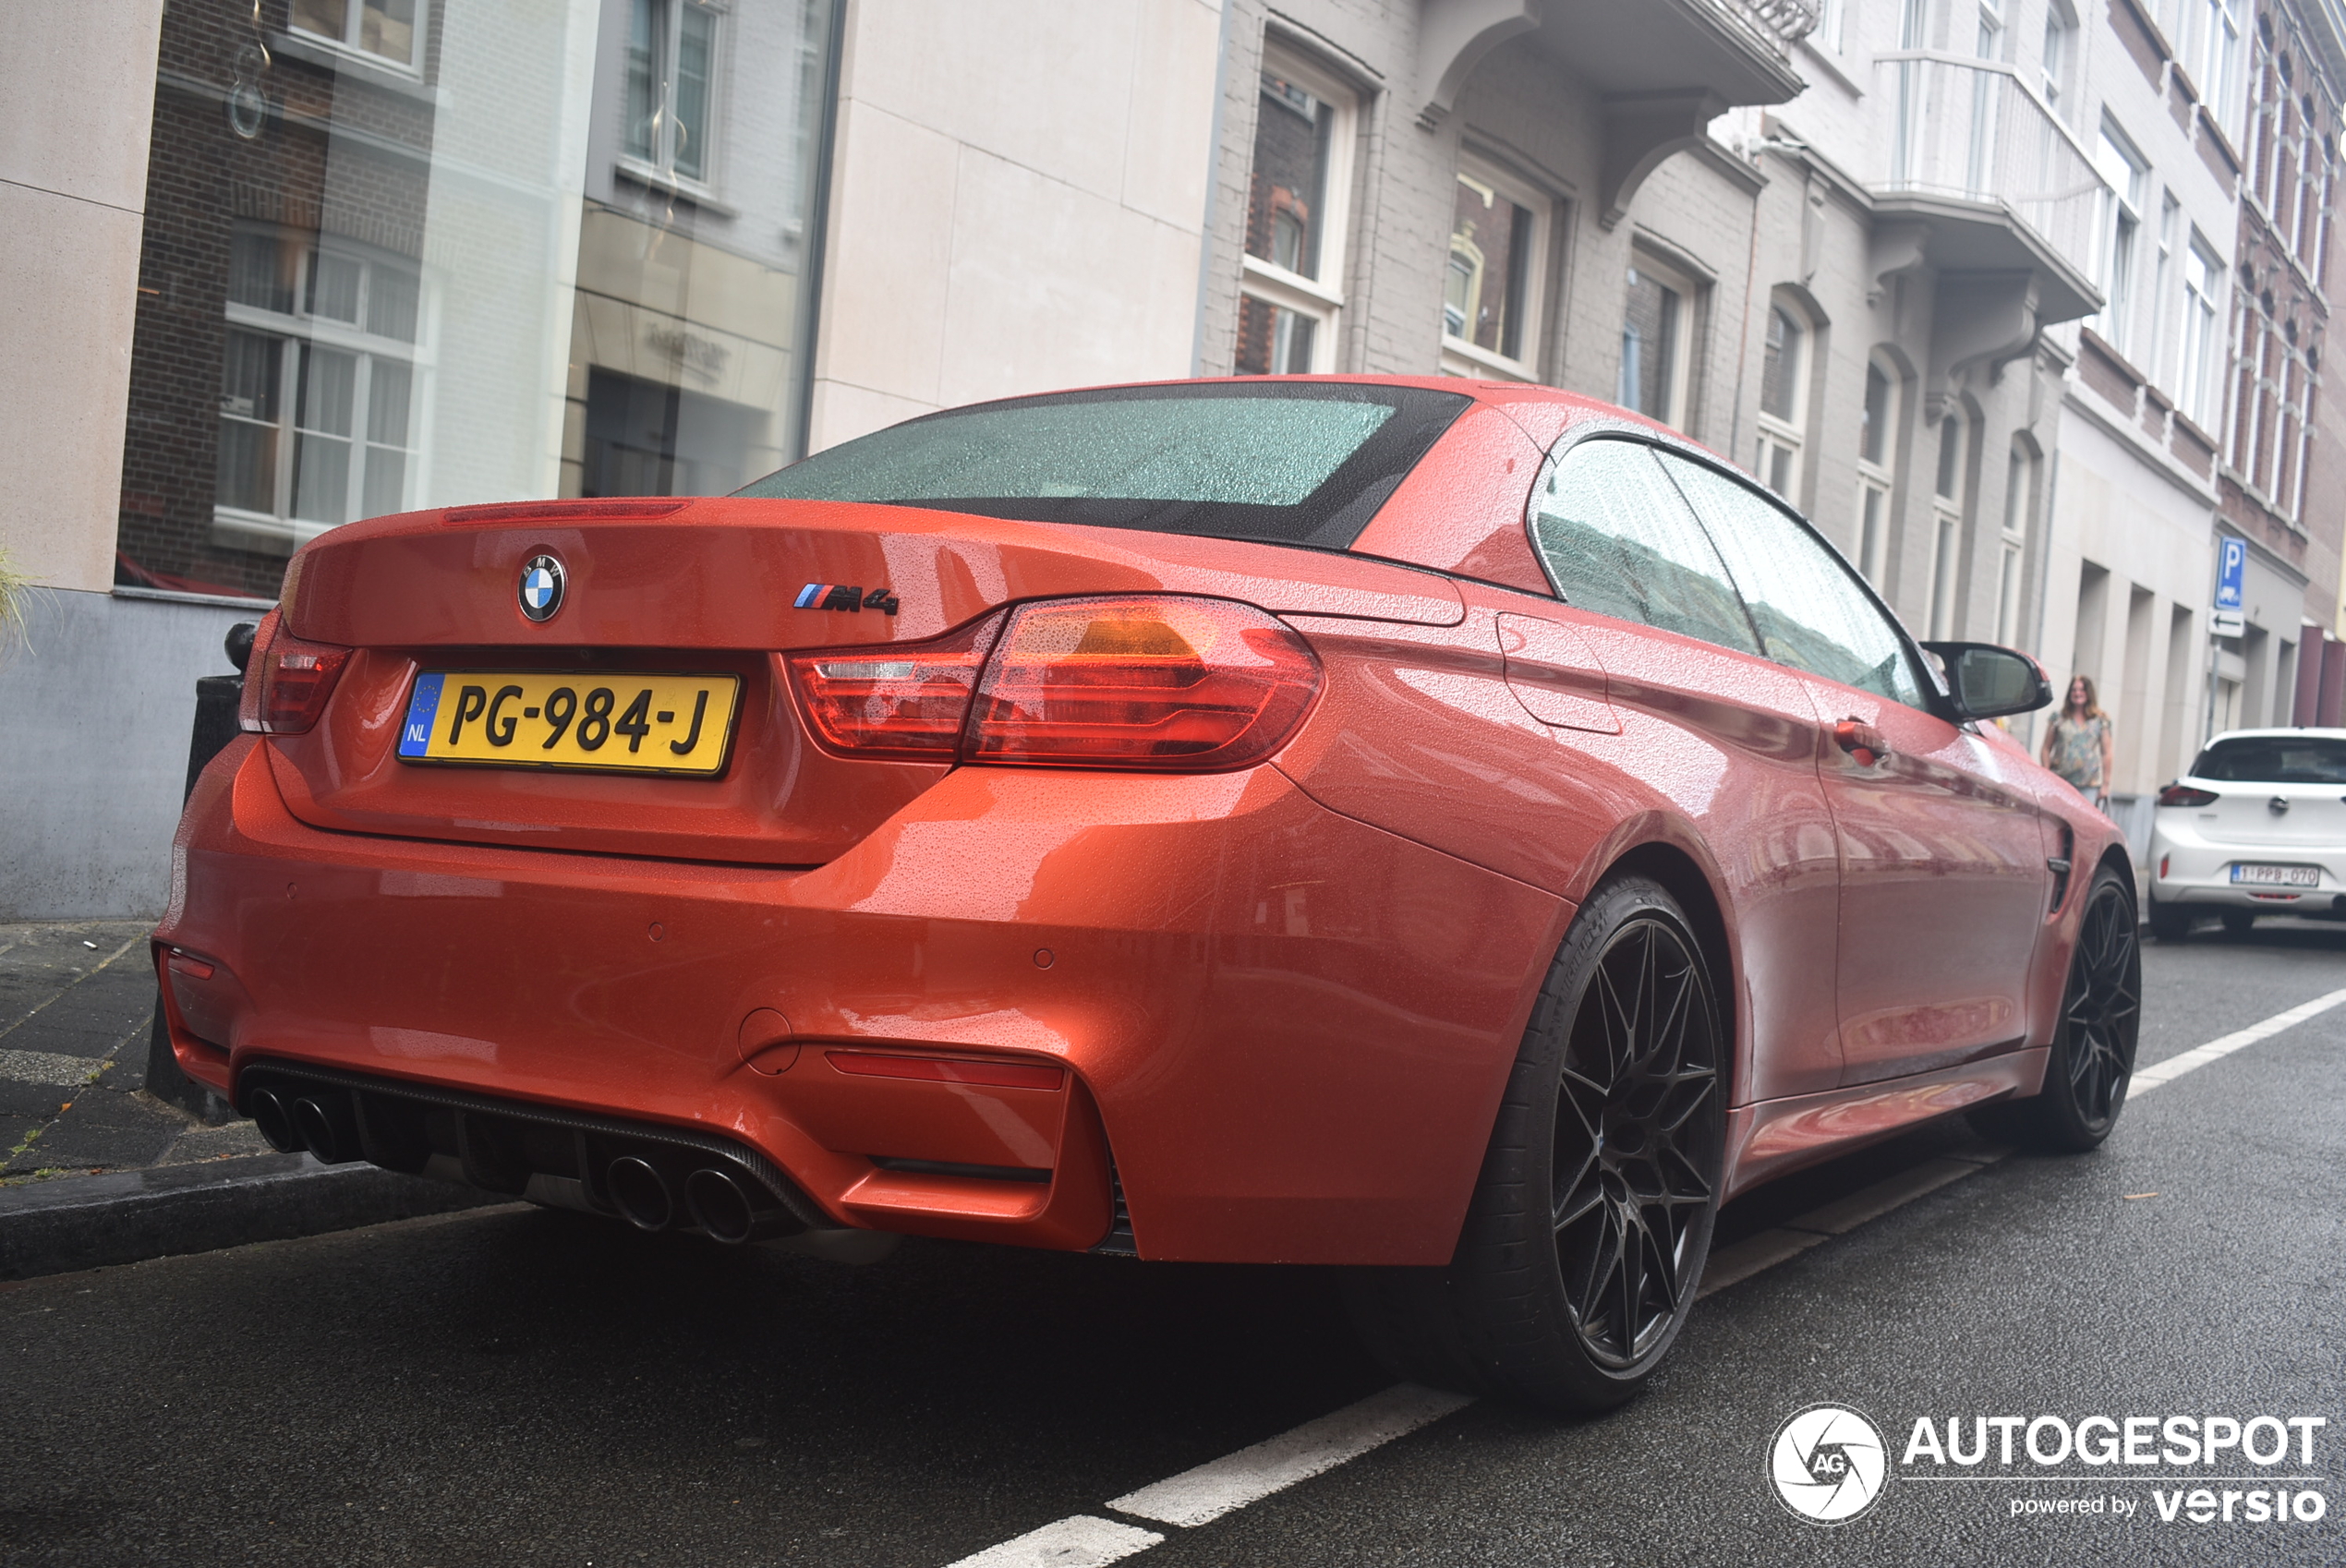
column 1679, row 398
column 1462, row 356
column 1319, row 298
column 1776, row 435
column 353, row 19
column 1949, row 510
column 1877, row 480
column 2020, row 483
column 283, row 529
column 2201, row 316
column 660, row 169
column 2121, row 225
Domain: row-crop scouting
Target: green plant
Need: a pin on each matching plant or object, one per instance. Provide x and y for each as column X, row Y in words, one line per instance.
column 16, row 602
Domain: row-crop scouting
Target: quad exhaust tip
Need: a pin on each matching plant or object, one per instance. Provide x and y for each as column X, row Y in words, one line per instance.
column 640, row 1194
column 274, row 1120
column 719, row 1207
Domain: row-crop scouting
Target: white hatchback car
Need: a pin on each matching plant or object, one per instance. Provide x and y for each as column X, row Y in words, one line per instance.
column 2258, row 826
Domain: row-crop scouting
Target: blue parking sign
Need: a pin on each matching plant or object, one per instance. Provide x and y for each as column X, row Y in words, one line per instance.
column 2231, row 566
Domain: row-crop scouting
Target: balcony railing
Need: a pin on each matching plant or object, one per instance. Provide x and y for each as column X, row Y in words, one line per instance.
column 1976, row 130
column 1777, row 24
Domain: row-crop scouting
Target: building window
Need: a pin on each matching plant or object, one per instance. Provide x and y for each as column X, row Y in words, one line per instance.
column 381, row 30
column 2276, row 384
column 2194, row 372
column 2061, row 49
column 1295, row 223
column 317, row 389
column 2210, row 54
column 1832, row 17
column 671, row 74
column 1491, row 296
column 1877, row 470
column 2019, row 477
column 2121, row 225
column 1947, row 512
column 1657, row 331
column 1784, row 400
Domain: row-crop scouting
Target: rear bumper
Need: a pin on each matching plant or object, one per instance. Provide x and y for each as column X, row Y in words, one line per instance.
column 1288, row 1029
column 2187, row 867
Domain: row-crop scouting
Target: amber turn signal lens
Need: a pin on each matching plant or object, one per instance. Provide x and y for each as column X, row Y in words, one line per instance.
column 1165, row 683
column 287, row 680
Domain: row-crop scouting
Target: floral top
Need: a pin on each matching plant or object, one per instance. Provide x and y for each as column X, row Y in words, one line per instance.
column 2076, row 751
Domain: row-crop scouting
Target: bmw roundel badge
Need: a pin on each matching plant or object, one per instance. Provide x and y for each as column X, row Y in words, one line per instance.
column 542, row 587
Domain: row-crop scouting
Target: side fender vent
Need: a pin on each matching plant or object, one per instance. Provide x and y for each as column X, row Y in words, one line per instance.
column 2060, row 865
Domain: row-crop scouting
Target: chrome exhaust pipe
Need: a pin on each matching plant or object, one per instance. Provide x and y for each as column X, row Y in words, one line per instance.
column 274, row 1121
column 640, row 1194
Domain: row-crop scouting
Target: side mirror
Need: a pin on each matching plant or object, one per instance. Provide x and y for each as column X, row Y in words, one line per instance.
column 1988, row 681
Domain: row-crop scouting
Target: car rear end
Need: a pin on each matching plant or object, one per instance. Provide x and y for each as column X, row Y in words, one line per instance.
column 812, row 864
column 2258, row 826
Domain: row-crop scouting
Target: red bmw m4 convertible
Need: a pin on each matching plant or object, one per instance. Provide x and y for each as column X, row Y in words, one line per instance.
column 1461, row 832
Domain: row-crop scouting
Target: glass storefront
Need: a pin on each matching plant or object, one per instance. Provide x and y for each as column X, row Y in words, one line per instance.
column 412, row 253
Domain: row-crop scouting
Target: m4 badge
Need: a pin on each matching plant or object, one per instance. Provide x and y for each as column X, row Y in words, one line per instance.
column 844, row 595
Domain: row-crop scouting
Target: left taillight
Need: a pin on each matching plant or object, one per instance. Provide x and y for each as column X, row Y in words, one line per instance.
column 2184, row 795
column 287, row 680
column 1160, row 682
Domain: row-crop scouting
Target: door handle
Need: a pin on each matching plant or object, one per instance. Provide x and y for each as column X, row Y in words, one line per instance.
column 1861, row 741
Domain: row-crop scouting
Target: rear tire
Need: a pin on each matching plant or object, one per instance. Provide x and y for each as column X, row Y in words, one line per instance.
column 1585, row 1240
column 2093, row 1049
column 2169, row 923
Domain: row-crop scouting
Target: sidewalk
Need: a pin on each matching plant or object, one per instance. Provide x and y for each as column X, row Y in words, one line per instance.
column 77, row 1000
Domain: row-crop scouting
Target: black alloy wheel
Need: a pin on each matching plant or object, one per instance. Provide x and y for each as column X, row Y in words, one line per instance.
column 1585, row 1240
column 2093, row 1050
column 1635, row 1160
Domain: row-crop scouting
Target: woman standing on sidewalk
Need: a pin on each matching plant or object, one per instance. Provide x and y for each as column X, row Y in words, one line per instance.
column 2079, row 744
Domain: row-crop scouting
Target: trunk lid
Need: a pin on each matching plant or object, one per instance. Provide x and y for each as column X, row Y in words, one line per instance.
column 2242, row 813
column 720, row 586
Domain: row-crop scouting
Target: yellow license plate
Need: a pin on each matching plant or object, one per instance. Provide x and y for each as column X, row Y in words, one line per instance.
column 606, row 722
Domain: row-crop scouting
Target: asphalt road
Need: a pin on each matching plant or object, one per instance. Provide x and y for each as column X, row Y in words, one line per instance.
column 512, row 1386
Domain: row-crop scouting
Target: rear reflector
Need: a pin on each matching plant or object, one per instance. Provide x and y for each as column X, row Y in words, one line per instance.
column 1171, row 685
column 287, row 680
column 948, row 1069
column 2184, row 795
column 905, row 700
column 1159, row 682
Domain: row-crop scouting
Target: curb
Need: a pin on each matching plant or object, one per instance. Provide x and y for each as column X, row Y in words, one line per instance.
column 71, row 1223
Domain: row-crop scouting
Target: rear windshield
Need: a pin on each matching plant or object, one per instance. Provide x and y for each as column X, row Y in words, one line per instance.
column 1284, row 461
column 2273, row 759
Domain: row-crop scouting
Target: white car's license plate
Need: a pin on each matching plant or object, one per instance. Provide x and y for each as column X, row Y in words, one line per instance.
column 2279, row 875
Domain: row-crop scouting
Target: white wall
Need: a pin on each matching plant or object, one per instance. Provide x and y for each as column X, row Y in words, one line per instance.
column 79, row 82
column 1018, row 197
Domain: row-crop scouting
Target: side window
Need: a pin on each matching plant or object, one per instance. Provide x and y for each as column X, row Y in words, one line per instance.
column 1810, row 610
column 1618, row 538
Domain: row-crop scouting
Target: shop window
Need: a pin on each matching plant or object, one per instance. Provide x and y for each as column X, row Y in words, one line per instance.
column 1490, row 295
column 381, row 30
column 1783, row 400
column 1293, row 296
column 672, row 72
column 1657, row 333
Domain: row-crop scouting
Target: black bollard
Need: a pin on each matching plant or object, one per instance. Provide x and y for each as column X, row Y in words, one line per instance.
column 217, row 697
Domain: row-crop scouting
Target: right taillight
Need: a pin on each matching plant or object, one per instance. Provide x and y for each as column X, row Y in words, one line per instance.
column 1160, row 682
column 287, row 680
column 2184, row 795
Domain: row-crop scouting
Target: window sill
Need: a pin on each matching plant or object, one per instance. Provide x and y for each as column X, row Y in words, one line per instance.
column 660, row 183
column 171, row 595
column 1472, row 360
column 255, row 531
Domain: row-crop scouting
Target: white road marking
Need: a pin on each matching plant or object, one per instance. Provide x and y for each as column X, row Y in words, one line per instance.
column 1219, row 1487
column 45, row 1067
column 1200, row 1496
column 1078, row 1541
column 2149, row 1078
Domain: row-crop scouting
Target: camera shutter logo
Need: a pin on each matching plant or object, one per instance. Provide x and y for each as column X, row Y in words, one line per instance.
column 542, row 587
column 1829, row 1464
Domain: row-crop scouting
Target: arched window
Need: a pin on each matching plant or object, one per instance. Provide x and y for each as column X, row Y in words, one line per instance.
column 1948, row 500
column 2020, row 485
column 1783, row 400
column 1876, row 468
